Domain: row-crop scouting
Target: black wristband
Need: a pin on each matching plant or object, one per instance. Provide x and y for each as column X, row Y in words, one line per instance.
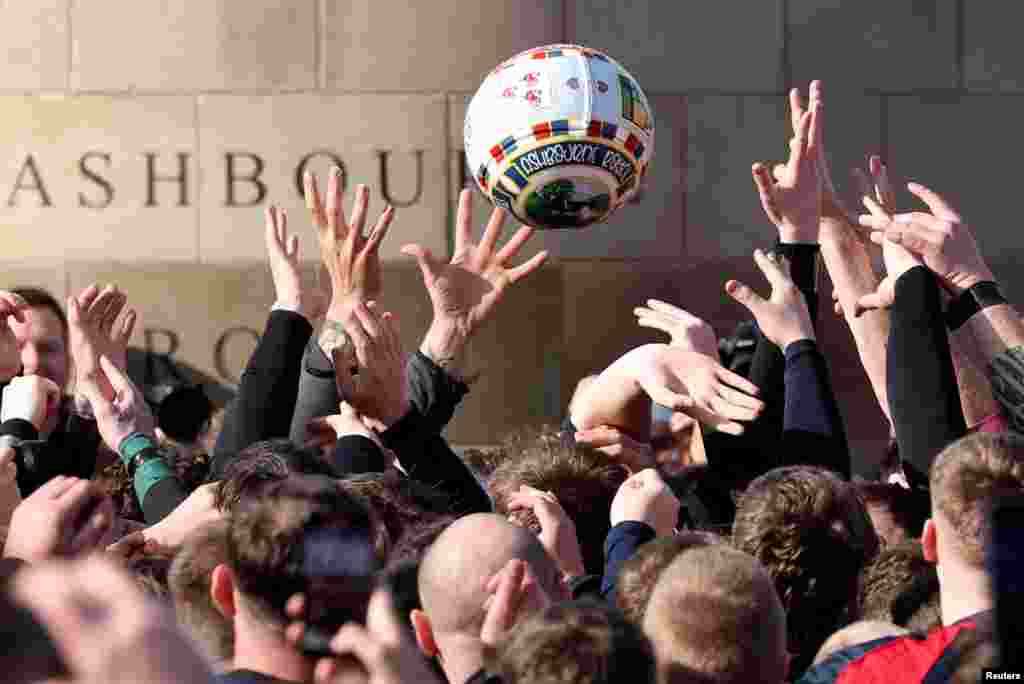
column 804, row 262
column 977, row 297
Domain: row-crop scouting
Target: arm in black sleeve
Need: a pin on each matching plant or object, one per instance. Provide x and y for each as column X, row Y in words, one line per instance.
column 268, row 389
column 813, row 432
column 426, row 457
column 317, row 393
column 622, row 542
column 355, row 454
column 924, row 400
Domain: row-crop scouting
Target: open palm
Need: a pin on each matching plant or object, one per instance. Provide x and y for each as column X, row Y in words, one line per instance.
column 465, row 290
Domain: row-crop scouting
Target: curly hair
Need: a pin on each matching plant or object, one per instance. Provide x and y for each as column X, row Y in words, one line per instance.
column 811, row 531
column 263, row 463
column 583, row 642
column 901, row 587
column 582, row 479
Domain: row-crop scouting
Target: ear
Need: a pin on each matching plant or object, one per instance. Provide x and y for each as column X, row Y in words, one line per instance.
column 424, row 633
column 222, row 591
column 930, row 542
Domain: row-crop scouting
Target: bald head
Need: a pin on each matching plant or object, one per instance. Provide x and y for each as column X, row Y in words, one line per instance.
column 455, row 570
column 714, row 616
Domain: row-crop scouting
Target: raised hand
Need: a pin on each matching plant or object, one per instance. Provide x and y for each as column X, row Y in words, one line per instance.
column 557, row 530
column 783, row 318
column 646, row 498
column 64, row 517
column 93, row 332
column 465, row 291
column 105, row 628
column 699, row 386
column 792, row 201
column 283, row 255
column 685, row 330
column 11, row 306
column 898, row 260
column 941, row 239
column 371, row 374
column 122, row 414
column 623, row 449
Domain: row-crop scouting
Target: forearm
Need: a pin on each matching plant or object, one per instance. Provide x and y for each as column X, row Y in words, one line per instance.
column 813, row 431
column 923, row 394
column 157, row 488
column 1007, row 373
column 317, row 395
column 355, row 454
column 615, row 398
column 849, row 268
column 269, row 386
column 996, row 329
column 433, row 390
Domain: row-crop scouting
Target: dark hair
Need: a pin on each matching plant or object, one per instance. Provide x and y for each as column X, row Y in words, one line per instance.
column 265, row 542
column 812, row 533
column 399, row 503
column 582, row 479
column 909, row 507
column 150, row 573
column 184, row 413
column 264, row 463
column 583, row 642
column 38, row 298
column 639, row 574
column 189, row 582
column 901, row 587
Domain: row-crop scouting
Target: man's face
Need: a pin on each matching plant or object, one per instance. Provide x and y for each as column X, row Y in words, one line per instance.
column 43, row 346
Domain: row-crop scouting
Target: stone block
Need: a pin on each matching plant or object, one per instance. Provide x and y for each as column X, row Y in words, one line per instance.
column 930, row 144
column 35, row 39
column 650, row 226
column 670, row 47
column 883, row 45
column 392, row 45
column 96, row 177
column 176, row 46
column 992, row 58
column 393, row 143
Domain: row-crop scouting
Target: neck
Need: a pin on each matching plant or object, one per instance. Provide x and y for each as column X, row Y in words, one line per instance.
column 462, row 656
column 963, row 591
column 265, row 651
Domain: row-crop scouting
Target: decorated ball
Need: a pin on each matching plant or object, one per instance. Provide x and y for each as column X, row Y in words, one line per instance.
column 560, row 136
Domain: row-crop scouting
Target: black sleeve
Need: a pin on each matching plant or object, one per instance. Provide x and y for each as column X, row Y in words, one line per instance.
column 426, row 457
column 813, row 432
column 317, row 393
column 622, row 542
column 161, row 499
column 268, row 389
column 924, row 400
column 354, row 454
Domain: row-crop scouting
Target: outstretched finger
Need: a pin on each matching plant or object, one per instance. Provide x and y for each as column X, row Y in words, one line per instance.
column 13, row 305
column 766, row 192
column 815, row 140
column 876, row 209
column 740, row 383
column 313, row 201
column 521, row 271
column 883, row 186
column 127, row 326
column 745, row 296
column 669, row 399
column 491, row 234
column 774, row 268
column 936, row 202
column 669, row 309
column 740, row 399
column 798, row 147
column 99, row 306
column 106, row 324
column 464, row 221
column 430, row 267
column 270, row 233
column 380, row 229
column 513, row 246
column 360, row 207
column 335, row 213
column 796, row 108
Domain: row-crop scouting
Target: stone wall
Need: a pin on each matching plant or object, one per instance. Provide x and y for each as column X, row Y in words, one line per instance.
column 142, row 140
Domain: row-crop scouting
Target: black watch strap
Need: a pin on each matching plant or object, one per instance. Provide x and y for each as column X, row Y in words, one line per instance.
column 979, row 296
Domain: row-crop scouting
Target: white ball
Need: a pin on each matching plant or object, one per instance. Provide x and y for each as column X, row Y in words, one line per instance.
column 560, row 136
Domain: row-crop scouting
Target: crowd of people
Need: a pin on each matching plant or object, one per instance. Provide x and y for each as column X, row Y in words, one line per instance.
column 693, row 519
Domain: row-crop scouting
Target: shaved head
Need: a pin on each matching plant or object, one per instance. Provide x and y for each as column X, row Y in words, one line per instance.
column 714, row 616
column 455, row 570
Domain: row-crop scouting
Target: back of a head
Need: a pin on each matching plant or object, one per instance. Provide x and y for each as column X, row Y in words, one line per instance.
column 965, row 477
column 901, row 587
column 455, row 569
column 189, row 581
column 897, row 513
column 812, row 533
column 582, row 642
column 263, row 463
column 398, row 502
column 715, row 617
column 639, row 574
column 582, row 479
column 267, row 544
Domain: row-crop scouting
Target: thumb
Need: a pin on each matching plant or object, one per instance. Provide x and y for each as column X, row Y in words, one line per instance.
column 342, row 373
column 429, row 265
column 745, row 296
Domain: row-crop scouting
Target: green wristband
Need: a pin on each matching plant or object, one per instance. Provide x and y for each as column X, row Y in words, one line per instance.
column 134, row 443
column 148, row 474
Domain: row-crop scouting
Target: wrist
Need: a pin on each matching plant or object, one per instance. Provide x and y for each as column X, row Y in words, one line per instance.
column 445, row 345
column 959, row 286
column 804, row 232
